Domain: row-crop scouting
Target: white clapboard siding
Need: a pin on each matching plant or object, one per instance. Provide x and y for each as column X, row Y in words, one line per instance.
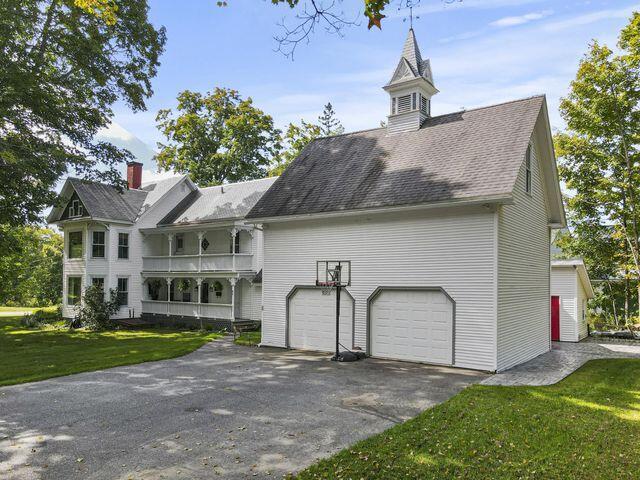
column 523, row 273
column 564, row 284
column 451, row 248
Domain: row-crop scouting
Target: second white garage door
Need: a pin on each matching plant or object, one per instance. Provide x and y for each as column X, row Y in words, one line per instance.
column 413, row 325
column 312, row 320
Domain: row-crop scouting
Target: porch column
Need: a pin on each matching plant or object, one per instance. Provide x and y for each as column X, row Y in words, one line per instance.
column 199, row 284
column 170, row 238
column 233, row 282
column 169, row 280
column 200, row 237
column 234, row 232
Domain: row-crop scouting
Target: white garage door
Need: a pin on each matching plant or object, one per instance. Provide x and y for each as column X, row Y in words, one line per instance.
column 312, row 320
column 413, row 325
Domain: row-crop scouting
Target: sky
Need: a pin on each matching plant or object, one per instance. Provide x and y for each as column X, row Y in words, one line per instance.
column 482, row 52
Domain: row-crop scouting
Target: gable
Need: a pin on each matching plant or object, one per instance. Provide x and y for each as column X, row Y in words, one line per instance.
column 73, row 207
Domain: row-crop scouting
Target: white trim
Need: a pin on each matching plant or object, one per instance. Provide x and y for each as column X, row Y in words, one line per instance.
column 504, row 199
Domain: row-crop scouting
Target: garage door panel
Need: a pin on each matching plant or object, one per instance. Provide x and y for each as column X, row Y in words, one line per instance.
column 312, row 320
column 414, row 325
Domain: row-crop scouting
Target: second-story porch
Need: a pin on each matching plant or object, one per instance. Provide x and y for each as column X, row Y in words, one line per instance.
column 228, row 248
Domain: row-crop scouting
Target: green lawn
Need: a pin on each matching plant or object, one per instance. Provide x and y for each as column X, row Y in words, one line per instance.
column 248, row 339
column 10, row 311
column 30, row 355
column 585, row 427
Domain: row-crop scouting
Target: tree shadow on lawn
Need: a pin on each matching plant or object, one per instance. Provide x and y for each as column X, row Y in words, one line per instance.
column 585, row 426
column 31, row 355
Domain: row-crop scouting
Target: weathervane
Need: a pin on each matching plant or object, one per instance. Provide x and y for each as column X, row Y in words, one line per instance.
column 409, row 4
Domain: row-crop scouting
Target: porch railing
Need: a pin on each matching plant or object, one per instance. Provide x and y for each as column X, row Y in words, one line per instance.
column 188, row 309
column 211, row 262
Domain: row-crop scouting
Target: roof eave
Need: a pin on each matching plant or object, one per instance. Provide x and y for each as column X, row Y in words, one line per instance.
column 503, row 199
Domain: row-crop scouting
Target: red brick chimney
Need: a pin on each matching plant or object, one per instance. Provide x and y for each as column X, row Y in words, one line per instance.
column 134, row 174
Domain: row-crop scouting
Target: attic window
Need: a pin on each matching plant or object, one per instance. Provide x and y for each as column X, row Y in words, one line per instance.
column 75, row 209
column 528, row 170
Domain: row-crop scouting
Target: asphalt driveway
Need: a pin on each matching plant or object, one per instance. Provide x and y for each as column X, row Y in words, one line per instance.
column 224, row 410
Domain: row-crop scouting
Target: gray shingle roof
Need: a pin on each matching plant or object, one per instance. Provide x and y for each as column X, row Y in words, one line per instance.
column 104, row 201
column 219, row 202
column 462, row 155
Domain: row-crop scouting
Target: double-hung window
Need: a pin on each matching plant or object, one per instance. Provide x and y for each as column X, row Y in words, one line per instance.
column 74, row 286
column 75, row 245
column 123, row 245
column 123, row 291
column 179, row 243
column 75, row 209
column 98, row 282
column 97, row 246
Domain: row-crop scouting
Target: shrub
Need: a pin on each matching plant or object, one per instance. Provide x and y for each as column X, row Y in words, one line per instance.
column 94, row 312
column 41, row 317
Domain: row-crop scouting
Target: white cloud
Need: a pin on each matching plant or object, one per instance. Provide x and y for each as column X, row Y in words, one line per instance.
column 520, row 19
column 590, row 18
column 116, row 131
column 149, row 176
column 447, row 5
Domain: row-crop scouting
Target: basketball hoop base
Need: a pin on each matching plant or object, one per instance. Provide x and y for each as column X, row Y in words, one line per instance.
column 346, row 356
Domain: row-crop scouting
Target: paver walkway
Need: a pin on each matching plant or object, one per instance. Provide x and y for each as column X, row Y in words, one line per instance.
column 562, row 360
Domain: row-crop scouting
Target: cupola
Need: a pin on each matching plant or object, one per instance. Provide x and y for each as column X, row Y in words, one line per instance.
column 410, row 88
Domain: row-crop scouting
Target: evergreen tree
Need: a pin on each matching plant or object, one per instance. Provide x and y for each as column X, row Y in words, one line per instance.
column 329, row 124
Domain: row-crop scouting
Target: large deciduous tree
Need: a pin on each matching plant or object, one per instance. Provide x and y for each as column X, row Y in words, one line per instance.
column 30, row 266
column 63, row 64
column 217, row 137
column 294, row 139
column 600, row 157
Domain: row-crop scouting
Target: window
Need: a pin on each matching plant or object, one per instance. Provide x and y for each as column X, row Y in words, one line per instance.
column 179, row 243
column 74, row 292
column 123, row 245
column 235, row 248
column 98, row 281
column 123, row 291
column 97, row 246
column 75, row 245
column 528, row 170
column 75, row 209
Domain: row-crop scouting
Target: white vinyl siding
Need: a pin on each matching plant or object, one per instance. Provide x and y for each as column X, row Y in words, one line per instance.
column 452, row 249
column 523, row 272
column 404, row 122
column 564, row 284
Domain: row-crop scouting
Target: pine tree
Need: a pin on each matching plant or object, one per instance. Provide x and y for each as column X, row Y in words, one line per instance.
column 329, row 124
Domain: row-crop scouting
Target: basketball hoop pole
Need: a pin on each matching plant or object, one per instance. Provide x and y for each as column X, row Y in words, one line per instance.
column 336, row 357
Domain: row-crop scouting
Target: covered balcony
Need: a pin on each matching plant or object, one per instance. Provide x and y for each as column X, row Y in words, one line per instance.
column 227, row 249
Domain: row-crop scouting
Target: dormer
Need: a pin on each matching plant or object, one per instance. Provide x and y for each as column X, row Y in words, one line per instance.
column 410, row 89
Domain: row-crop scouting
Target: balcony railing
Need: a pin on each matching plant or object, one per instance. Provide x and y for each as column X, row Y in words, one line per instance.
column 188, row 309
column 198, row 263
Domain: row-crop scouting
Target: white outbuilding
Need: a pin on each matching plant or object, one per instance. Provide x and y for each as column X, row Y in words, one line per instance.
column 570, row 291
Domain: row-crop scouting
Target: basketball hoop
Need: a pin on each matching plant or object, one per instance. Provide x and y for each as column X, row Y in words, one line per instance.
column 327, row 287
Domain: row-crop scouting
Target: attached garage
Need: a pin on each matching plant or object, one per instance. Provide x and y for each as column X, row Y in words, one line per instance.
column 411, row 324
column 312, row 319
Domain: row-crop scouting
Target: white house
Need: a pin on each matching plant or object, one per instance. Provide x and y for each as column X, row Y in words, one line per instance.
column 175, row 252
column 446, row 222
column 570, row 291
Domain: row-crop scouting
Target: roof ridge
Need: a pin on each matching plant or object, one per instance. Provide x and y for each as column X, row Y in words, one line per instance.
column 493, row 105
column 237, row 183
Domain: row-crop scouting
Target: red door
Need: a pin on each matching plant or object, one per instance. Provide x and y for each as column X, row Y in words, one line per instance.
column 555, row 318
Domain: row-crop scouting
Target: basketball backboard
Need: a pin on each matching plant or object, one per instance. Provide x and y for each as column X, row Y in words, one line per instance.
column 333, row 273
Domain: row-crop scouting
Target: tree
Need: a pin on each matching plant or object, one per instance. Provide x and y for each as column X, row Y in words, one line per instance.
column 30, row 266
column 216, row 138
column 599, row 153
column 294, row 140
column 329, row 124
column 63, row 64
